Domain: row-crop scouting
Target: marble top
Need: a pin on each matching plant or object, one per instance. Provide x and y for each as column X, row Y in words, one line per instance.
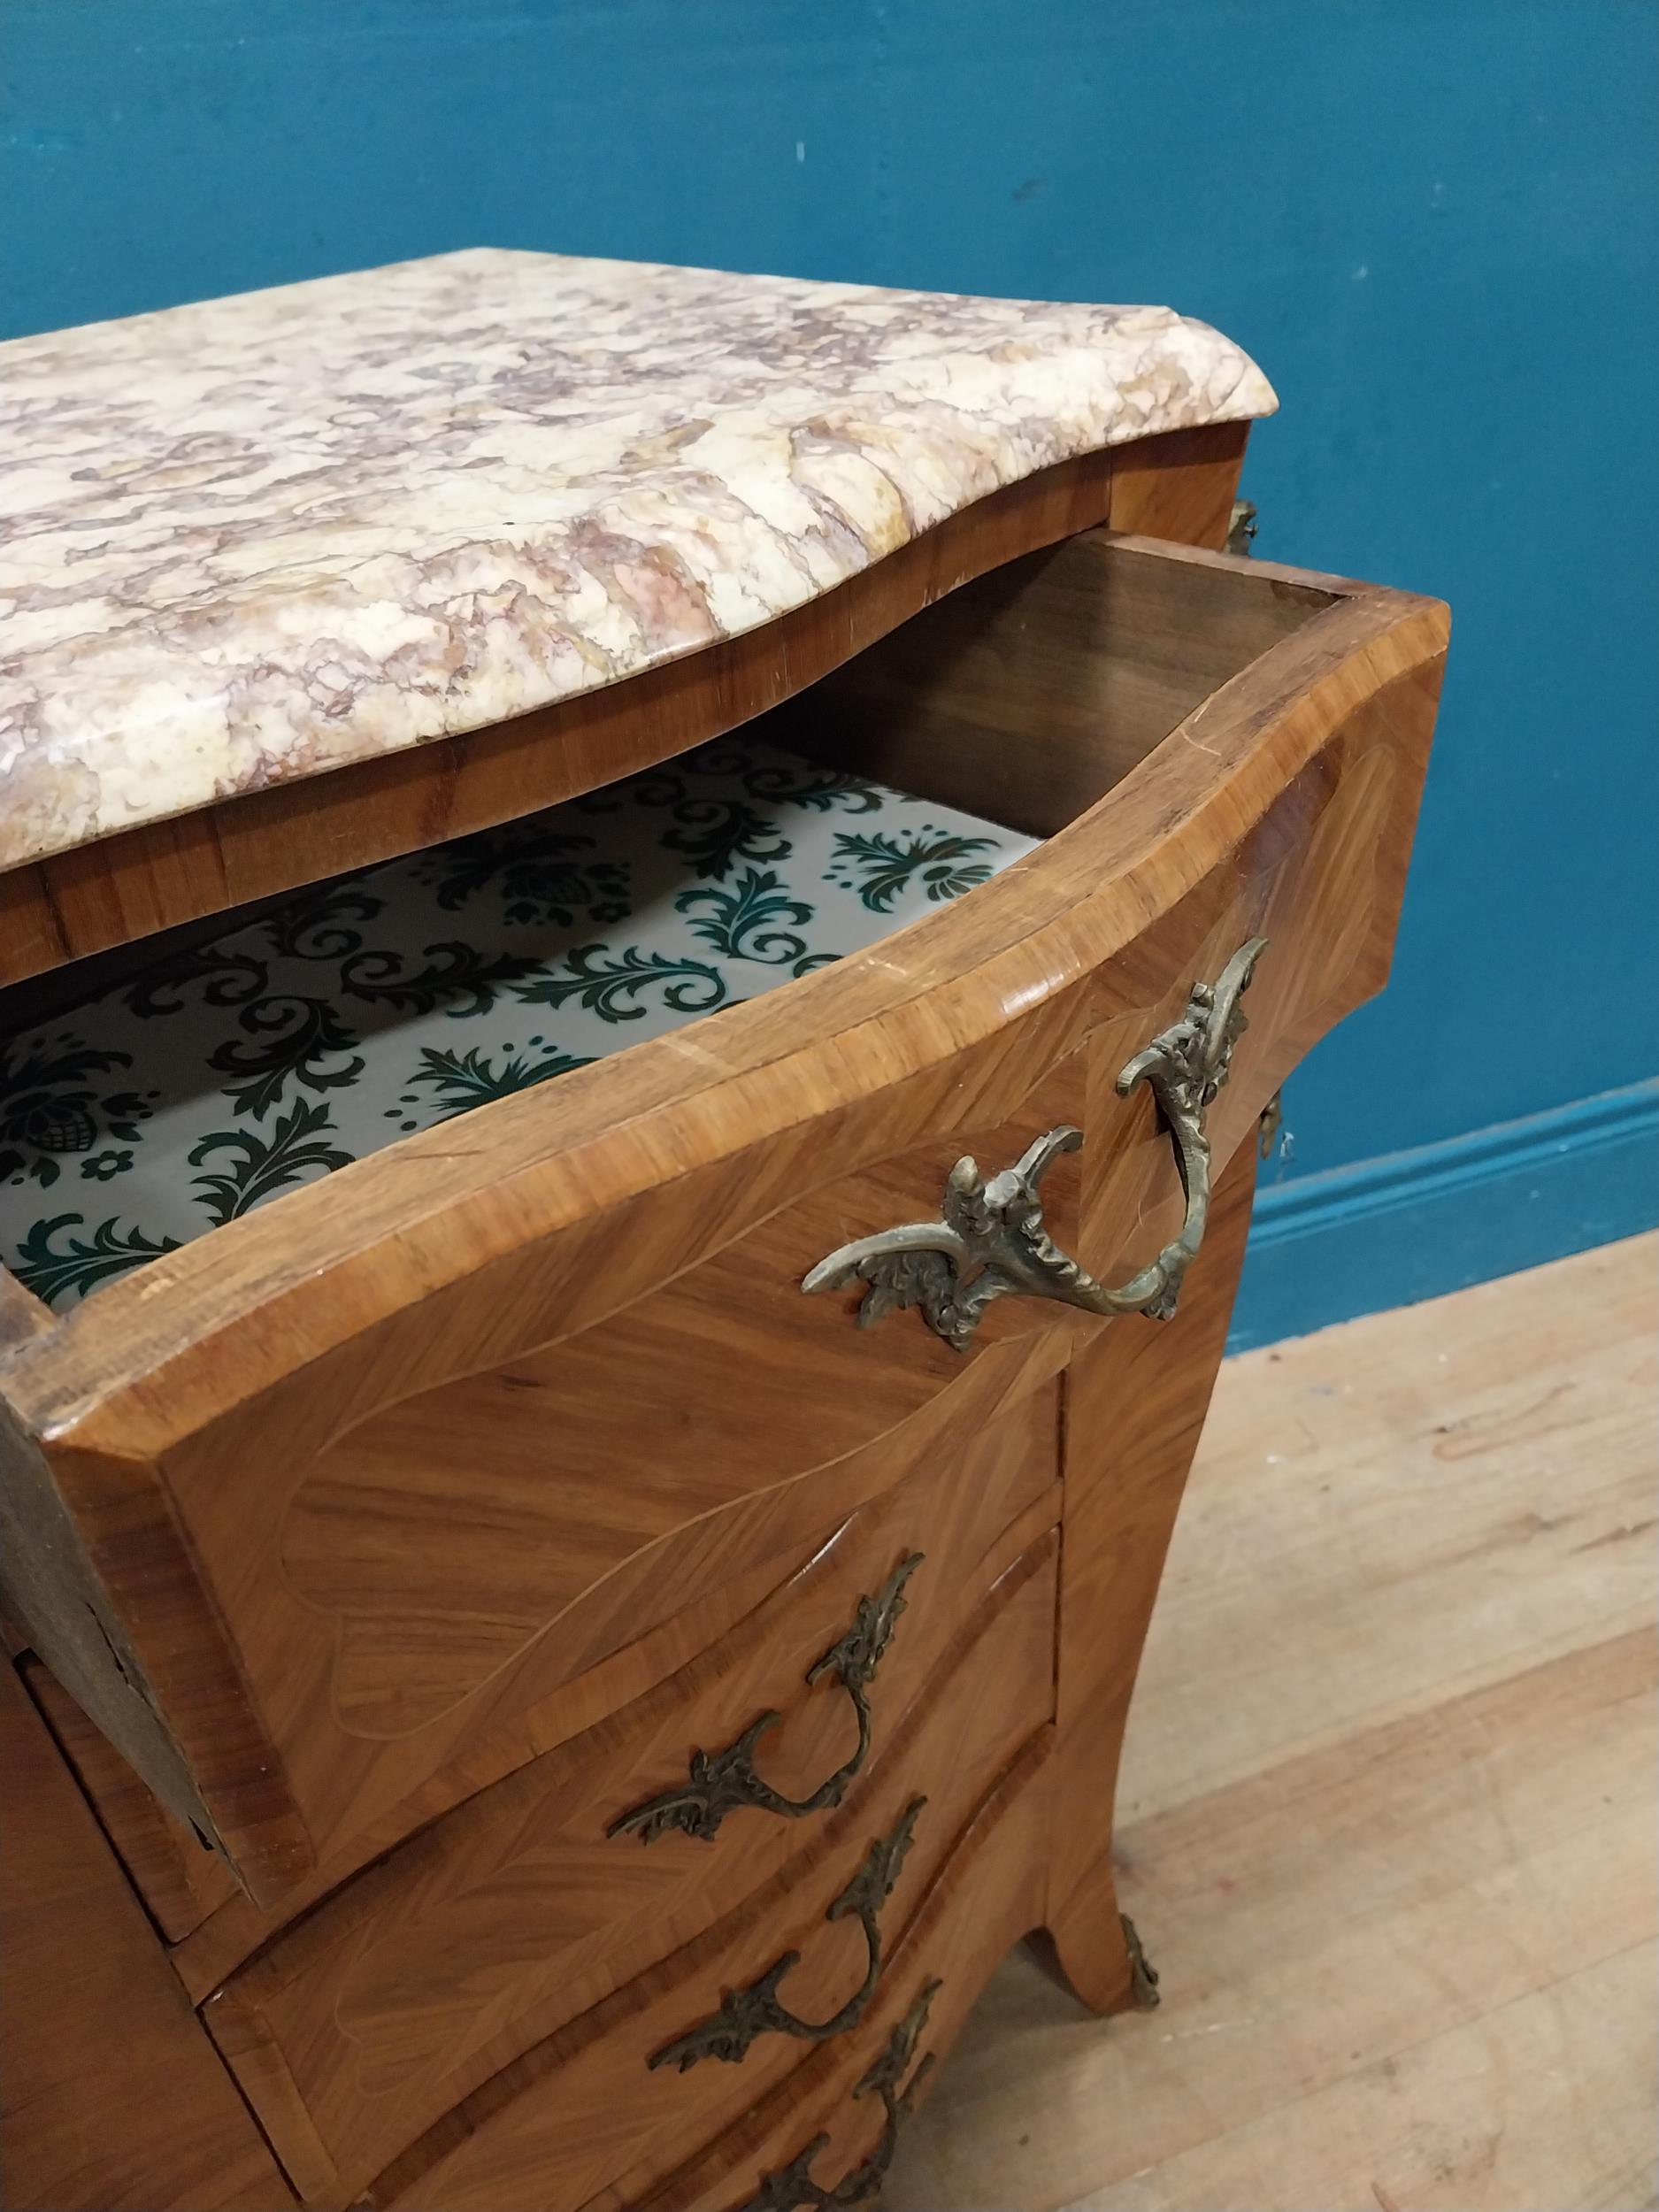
column 260, row 538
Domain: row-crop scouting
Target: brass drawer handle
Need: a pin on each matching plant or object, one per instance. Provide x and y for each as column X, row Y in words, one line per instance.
column 757, row 2009
column 721, row 1781
column 791, row 2188
column 991, row 1243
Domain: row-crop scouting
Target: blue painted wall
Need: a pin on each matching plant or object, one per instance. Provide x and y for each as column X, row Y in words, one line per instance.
column 1435, row 223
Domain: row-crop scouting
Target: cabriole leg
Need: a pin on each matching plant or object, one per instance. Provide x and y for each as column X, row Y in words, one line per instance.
column 1135, row 1401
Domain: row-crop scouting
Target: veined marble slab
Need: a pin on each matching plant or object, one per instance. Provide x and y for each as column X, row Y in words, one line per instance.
column 254, row 539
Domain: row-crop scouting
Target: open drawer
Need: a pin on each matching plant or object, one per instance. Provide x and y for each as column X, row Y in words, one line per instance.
column 321, row 1515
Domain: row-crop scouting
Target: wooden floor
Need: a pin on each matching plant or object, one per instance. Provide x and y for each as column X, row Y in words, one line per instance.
column 1388, row 1817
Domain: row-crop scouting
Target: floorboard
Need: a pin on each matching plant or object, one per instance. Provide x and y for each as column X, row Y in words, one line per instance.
column 1387, row 1820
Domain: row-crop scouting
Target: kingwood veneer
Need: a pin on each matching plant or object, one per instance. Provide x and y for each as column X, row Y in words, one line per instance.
column 384, row 1563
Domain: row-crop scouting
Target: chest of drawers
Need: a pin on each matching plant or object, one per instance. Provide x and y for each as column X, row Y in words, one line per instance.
column 576, row 1588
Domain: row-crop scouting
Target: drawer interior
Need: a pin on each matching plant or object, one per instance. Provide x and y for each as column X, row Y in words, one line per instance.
column 152, row 1094
column 1030, row 692
column 224, row 1071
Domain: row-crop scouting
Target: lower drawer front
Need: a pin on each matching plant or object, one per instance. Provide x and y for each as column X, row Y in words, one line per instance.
column 835, row 2124
column 419, row 1981
column 639, row 2086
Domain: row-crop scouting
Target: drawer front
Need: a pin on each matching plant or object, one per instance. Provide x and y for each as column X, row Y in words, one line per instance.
column 504, row 1921
column 672, row 2060
column 716, row 1405
column 363, row 1483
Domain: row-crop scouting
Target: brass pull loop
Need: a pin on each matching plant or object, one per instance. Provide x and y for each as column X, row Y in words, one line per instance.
column 721, row 1781
column 791, row 2188
column 991, row 1241
column 757, row 2009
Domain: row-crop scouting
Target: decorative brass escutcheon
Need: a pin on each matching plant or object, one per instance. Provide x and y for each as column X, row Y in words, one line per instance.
column 721, row 1781
column 791, row 2188
column 991, row 1241
column 757, row 2009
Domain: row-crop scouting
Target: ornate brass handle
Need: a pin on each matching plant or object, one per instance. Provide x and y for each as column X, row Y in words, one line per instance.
column 791, row 2188
column 721, row 1781
column 991, row 1243
column 757, row 2009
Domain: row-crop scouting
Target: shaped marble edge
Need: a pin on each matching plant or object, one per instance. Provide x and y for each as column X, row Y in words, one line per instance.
column 259, row 538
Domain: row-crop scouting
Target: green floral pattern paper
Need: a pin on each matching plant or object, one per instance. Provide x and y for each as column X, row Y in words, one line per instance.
column 398, row 996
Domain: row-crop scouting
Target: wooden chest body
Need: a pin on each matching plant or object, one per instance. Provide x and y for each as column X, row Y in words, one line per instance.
column 425, row 1555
